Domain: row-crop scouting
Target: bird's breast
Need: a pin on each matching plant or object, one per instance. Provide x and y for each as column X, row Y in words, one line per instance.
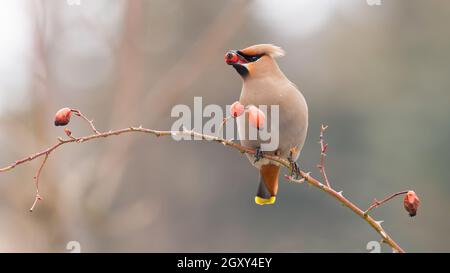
column 289, row 125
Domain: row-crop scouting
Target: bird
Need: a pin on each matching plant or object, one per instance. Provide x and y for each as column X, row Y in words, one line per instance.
column 263, row 83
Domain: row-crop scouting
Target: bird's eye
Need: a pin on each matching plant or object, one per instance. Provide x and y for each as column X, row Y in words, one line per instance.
column 254, row 58
column 250, row 58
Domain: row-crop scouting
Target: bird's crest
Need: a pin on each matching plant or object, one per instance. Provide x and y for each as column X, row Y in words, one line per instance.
column 264, row 49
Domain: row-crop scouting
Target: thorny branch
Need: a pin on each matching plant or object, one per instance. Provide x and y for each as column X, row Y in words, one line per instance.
column 323, row 150
column 305, row 176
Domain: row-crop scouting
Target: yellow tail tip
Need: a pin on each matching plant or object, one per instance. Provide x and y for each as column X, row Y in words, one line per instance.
column 262, row 201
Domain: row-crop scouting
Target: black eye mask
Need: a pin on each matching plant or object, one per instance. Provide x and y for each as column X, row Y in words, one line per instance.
column 250, row 58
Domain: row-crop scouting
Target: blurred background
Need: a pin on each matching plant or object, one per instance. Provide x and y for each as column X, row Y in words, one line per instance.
column 376, row 74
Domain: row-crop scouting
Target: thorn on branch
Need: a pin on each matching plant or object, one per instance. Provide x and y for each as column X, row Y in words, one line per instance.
column 323, row 150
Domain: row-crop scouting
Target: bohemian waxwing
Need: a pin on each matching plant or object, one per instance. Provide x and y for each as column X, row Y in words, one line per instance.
column 265, row 84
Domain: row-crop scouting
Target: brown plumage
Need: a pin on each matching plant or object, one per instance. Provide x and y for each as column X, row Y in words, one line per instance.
column 265, row 84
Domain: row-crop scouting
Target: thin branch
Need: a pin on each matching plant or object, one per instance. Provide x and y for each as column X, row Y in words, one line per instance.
column 376, row 225
column 36, row 182
column 377, row 203
column 323, row 150
column 91, row 122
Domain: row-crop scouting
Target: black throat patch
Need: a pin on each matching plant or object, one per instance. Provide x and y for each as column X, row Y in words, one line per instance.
column 242, row 70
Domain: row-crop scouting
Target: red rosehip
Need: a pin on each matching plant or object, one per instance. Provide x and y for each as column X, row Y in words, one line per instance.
column 256, row 117
column 62, row 117
column 411, row 203
column 237, row 109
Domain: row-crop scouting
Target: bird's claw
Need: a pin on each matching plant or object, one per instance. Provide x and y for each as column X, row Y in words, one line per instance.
column 258, row 155
column 295, row 170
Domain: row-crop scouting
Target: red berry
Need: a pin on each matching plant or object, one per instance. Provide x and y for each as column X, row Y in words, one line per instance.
column 237, row 109
column 411, row 203
column 256, row 117
column 231, row 57
column 62, row 117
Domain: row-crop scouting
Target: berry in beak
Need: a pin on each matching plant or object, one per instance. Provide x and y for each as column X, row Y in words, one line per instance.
column 232, row 58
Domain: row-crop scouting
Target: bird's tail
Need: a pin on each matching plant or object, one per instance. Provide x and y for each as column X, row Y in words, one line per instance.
column 268, row 185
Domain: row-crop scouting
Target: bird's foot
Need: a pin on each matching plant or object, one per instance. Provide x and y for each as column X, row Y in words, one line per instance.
column 258, row 155
column 295, row 170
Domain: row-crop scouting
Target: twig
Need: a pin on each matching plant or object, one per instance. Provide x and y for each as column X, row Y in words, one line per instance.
column 36, row 181
column 323, row 150
column 376, row 225
column 91, row 122
column 377, row 203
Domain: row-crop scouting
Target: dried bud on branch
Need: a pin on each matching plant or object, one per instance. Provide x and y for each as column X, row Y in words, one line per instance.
column 68, row 132
column 411, row 203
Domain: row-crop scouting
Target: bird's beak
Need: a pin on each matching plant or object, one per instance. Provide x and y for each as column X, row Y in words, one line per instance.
column 234, row 58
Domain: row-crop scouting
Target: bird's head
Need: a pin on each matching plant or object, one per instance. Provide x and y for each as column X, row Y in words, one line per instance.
column 254, row 61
